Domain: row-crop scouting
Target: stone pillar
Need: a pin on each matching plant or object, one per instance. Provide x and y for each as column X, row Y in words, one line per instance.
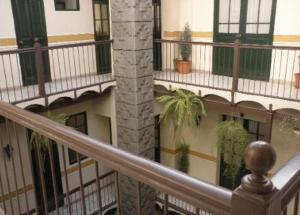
column 133, row 67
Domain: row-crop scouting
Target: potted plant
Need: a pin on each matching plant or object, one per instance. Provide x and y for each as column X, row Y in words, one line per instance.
column 232, row 140
column 183, row 162
column 297, row 76
column 184, row 65
column 291, row 123
column 181, row 107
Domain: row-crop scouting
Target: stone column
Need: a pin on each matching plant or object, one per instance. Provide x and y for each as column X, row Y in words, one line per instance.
column 133, row 67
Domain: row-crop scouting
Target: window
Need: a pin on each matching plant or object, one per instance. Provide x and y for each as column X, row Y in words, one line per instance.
column 101, row 19
column 259, row 14
column 77, row 121
column 254, row 128
column 229, row 16
column 66, row 4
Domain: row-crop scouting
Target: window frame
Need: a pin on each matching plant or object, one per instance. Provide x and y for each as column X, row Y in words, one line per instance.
column 82, row 157
column 102, row 36
column 77, row 7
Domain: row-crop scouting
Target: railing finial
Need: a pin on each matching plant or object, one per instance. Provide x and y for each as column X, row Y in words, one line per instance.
column 260, row 157
column 238, row 37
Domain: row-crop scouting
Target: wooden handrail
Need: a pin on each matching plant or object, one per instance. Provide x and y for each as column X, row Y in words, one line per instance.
column 228, row 45
column 287, row 180
column 196, row 192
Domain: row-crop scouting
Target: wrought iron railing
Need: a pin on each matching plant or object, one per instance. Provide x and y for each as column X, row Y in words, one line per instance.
column 44, row 71
column 264, row 70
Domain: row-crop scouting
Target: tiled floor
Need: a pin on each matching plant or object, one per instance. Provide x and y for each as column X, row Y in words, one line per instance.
column 273, row 88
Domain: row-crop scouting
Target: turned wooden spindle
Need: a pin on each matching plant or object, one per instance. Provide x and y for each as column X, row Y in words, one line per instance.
column 260, row 157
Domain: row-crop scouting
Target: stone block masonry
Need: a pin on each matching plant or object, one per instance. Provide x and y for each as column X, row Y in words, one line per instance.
column 133, row 65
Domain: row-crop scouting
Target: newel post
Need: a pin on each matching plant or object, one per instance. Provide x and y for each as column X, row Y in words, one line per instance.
column 257, row 194
column 236, row 65
column 39, row 65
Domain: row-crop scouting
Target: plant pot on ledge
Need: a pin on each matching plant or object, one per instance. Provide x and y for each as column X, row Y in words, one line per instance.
column 297, row 80
column 183, row 66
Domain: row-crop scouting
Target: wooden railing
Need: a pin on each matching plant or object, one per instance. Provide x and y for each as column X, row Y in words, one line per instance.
column 257, row 194
column 38, row 72
column 240, row 68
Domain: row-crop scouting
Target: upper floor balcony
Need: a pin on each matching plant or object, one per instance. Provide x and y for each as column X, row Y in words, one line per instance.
column 235, row 71
column 44, row 74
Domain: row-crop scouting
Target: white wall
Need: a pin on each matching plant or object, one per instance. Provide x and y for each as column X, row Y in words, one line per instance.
column 7, row 29
column 69, row 22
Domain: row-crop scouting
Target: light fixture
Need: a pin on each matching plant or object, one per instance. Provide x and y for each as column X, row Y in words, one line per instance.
column 9, row 150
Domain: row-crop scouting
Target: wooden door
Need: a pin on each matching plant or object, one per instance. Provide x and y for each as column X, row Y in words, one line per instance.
column 102, row 32
column 254, row 20
column 30, row 25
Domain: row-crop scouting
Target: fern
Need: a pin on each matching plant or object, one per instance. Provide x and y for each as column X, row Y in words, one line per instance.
column 182, row 106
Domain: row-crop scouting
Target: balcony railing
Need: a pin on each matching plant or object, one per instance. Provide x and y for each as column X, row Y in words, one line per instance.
column 250, row 69
column 30, row 181
column 37, row 72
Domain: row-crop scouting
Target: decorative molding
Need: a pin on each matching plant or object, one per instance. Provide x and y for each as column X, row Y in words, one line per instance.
column 192, row 152
column 76, row 168
column 16, row 193
column 52, row 39
column 8, row 42
column 199, row 34
column 194, row 34
column 287, row 38
column 70, row 38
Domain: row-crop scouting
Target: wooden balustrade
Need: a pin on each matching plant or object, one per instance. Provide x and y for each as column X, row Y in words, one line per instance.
column 257, row 194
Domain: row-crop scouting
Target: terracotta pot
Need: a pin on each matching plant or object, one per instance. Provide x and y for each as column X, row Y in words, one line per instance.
column 183, row 67
column 297, row 80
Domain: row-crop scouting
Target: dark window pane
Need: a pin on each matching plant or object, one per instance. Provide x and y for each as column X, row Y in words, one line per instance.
column 77, row 121
column 66, row 4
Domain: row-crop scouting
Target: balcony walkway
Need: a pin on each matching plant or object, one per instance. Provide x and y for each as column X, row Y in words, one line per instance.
column 55, row 87
column 283, row 89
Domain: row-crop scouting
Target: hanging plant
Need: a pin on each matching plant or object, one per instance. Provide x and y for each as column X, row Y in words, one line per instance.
column 37, row 138
column 291, row 123
column 182, row 106
column 183, row 162
column 232, row 140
